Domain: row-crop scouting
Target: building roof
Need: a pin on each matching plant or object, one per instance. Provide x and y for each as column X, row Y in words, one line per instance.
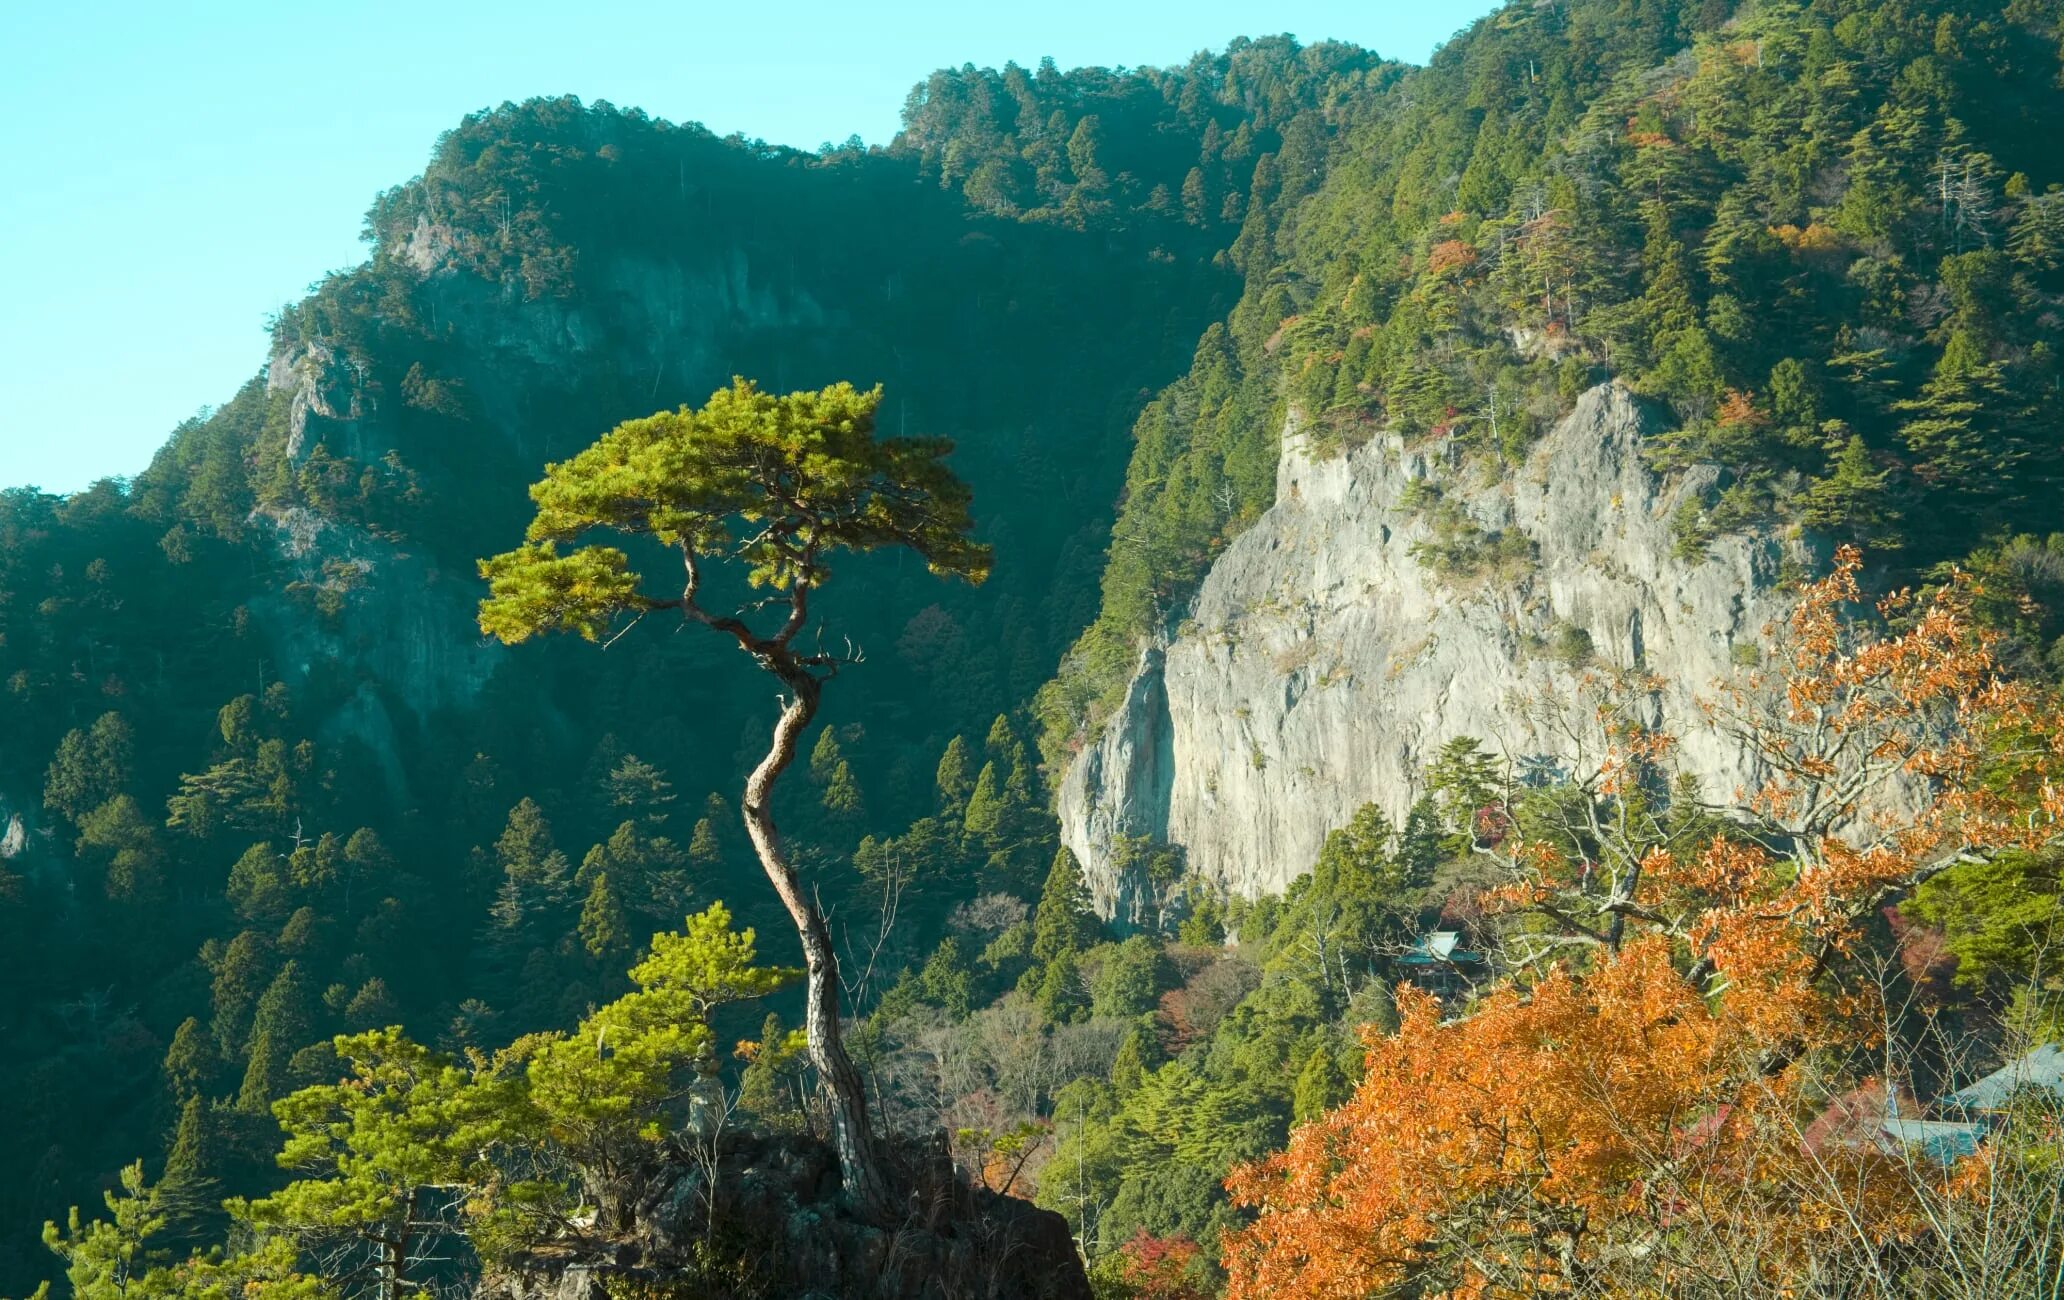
column 1942, row 1141
column 2041, row 1069
column 1441, row 947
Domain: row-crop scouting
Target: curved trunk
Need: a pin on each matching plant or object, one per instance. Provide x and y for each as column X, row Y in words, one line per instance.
column 852, row 1135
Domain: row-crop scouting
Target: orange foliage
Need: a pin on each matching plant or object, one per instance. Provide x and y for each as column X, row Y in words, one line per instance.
column 1449, row 255
column 1588, row 1109
column 1739, row 408
column 1815, row 238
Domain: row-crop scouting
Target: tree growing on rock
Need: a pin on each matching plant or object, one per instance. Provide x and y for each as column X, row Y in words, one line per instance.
column 769, row 488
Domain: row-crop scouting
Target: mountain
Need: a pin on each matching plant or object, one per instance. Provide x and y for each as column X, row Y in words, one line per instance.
column 1461, row 399
column 301, row 559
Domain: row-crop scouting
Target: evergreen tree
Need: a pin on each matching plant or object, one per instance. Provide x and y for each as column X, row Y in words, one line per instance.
column 705, row 850
column 764, row 1091
column 983, row 822
column 190, row 1193
column 604, row 929
column 843, row 807
column 1321, row 1085
column 1852, row 501
column 282, row 1026
column 192, row 1062
column 1419, row 844
column 951, row 782
column 258, row 887
column 242, row 973
column 825, row 758
column 116, row 839
column 637, row 788
column 368, row 868
column 372, row 1007
column 90, row 767
column 1063, row 922
column 1061, row 995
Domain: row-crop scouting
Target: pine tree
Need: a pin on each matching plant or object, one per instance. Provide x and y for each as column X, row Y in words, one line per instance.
column 122, row 844
column 529, row 857
column 1852, row 501
column 258, row 887
column 604, row 929
column 1419, row 844
column 763, row 1088
column 1063, row 922
column 90, row 767
column 842, row 803
column 191, row 1062
column 1061, row 995
column 1130, row 1065
column 368, row 868
column 982, row 825
column 281, row 1027
column 649, row 877
column 637, row 788
column 1965, row 441
column 190, row 1194
column 242, row 973
column 372, row 1007
column 825, row 758
column 952, row 782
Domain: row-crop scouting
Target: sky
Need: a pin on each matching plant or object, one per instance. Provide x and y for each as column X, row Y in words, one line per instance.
column 176, row 173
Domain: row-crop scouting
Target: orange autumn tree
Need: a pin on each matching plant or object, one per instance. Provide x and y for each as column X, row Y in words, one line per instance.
column 1629, row 1113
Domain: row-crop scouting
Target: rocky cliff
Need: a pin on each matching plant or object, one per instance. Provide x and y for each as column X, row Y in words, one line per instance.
column 779, row 1228
column 1331, row 650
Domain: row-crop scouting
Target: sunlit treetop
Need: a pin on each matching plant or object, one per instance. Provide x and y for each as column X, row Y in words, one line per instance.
column 774, row 484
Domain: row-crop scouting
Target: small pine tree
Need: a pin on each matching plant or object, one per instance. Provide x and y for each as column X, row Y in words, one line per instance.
column 1852, row 501
column 191, row 1063
column 1063, row 921
column 372, row 1007
column 1419, row 844
column 1061, row 996
column 982, row 823
column 825, row 758
column 843, row 805
column 951, row 780
column 604, row 929
column 705, row 850
column 282, row 1025
column 190, row 1194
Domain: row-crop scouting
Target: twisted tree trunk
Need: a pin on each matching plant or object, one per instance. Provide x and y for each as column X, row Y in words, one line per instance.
column 851, row 1133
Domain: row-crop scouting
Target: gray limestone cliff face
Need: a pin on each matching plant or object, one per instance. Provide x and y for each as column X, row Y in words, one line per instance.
column 1323, row 665
column 402, row 622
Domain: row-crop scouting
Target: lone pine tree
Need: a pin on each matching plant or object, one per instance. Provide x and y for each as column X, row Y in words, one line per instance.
column 771, row 486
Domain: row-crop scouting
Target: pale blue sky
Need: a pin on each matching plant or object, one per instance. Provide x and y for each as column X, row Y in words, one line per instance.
column 175, row 172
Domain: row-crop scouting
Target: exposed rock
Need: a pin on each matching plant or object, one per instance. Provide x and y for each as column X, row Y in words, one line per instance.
column 780, row 1230
column 391, row 613
column 1322, row 665
column 321, row 383
column 15, row 840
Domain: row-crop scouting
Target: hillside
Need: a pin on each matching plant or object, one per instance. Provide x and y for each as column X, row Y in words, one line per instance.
column 1398, row 696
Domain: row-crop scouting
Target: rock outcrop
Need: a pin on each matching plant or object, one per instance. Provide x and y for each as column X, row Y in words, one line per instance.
column 779, row 1229
column 1323, row 662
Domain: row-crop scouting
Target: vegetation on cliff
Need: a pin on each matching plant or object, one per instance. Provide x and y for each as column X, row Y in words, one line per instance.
column 279, row 838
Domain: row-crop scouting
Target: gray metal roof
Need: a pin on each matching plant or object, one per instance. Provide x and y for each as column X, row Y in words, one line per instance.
column 2041, row 1069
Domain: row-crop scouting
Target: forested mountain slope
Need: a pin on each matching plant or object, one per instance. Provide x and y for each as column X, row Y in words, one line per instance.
column 263, row 783
column 300, row 563
column 1824, row 237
